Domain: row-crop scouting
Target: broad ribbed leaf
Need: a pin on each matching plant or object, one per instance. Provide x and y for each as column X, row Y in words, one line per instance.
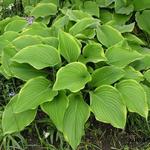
column 142, row 20
column 16, row 25
column 76, row 15
column 15, row 122
column 75, row 117
column 108, row 106
column 141, row 6
column 25, row 71
column 56, row 109
column 7, row 54
column 131, row 73
column 91, row 8
column 106, row 75
column 68, row 47
column 44, row 9
column 147, row 75
column 124, row 6
column 35, row 92
column 81, row 25
column 93, row 53
column 121, row 56
column 73, row 76
column 147, row 90
column 39, row 56
column 10, row 35
column 108, row 36
column 134, row 96
column 52, row 41
column 25, row 40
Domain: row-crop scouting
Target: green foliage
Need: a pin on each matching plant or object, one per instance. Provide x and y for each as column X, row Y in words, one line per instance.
column 77, row 57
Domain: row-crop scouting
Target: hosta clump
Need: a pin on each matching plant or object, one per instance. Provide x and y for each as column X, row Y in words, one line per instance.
column 88, row 50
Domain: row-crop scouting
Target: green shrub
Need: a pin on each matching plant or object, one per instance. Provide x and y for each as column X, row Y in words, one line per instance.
column 77, row 57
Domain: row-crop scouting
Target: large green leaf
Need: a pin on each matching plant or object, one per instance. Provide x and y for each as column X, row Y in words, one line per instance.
column 56, row 109
column 16, row 25
column 134, row 96
column 44, row 32
column 106, row 75
column 91, row 7
column 3, row 44
column 142, row 20
column 25, row 71
column 44, row 9
column 124, row 6
column 104, row 3
column 15, row 122
column 7, row 54
column 52, row 41
column 93, row 53
column 131, row 73
column 75, row 117
column 68, row 46
column 147, row 75
column 81, row 25
column 25, row 40
column 39, row 56
column 35, row 92
column 10, row 35
column 73, row 76
column 108, row 106
column 121, row 56
column 140, row 6
column 108, row 36
column 76, row 15
column 147, row 90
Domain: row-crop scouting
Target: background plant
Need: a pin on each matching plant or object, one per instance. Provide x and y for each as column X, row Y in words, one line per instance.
column 77, row 57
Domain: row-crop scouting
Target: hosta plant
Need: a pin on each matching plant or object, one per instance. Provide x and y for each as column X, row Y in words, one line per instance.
column 77, row 58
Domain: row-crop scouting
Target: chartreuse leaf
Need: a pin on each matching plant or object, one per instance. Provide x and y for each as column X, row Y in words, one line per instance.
column 131, row 73
column 10, row 35
column 106, row 75
column 15, row 122
column 81, row 25
column 91, row 7
column 35, row 92
column 104, row 3
column 52, row 41
column 25, row 40
column 39, row 56
column 108, row 36
column 76, row 15
column 108, row 106
column 16, row 25
column 134, row 96
column 147, row 75
column 25, row 71
column 44, row 32
column 73, row 76
column 7, row 53
column 3, row 44
column 44, row 9
column 75, row 117
column 93, row 53
column 123, row 6
column 120, row 56
column 68, row 46
column 141, row 6
column 142, row 20
column 56, row 109
column 147, row 90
